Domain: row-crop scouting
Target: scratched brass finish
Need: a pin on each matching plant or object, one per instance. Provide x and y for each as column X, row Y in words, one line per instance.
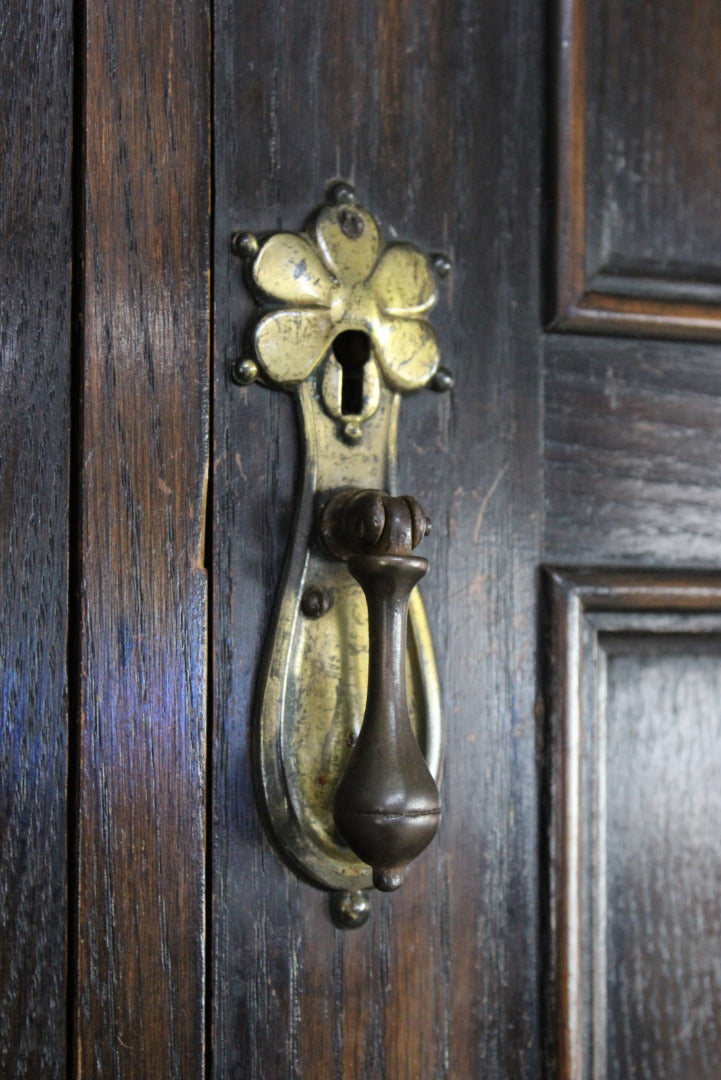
column 336, row 276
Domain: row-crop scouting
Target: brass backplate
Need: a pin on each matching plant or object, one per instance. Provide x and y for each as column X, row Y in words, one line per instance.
column 336, row 276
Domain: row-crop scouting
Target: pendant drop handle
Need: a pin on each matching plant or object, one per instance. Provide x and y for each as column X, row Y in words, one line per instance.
column 386, row 805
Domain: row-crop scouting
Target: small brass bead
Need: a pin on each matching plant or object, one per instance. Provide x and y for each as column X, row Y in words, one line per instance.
column 441, row 264
column 340, row 193
column 244, row 244
column 349, row 910
column 442, row 381
column 243, row 372
column 352, row 432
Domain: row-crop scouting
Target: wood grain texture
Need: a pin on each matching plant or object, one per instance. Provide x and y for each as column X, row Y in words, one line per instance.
column 35, row 260
column 142, row 760
column 426, row 107
column 632, row 693
column 654, row 142
column 663, row 867
column 635, row 144
column 632, row 452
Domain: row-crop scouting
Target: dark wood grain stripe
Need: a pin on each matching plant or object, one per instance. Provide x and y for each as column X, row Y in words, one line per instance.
column 35, row 264
column 140, row 999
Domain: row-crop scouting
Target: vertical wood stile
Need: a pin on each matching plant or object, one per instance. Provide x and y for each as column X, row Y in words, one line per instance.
column 36, row 58
column 426, row 107
column 142, row 748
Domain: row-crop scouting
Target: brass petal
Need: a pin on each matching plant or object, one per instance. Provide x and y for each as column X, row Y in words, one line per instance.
column 407, row 351
column 403, row 281
column 288, row 268
column 350, row 242
column 289, row 344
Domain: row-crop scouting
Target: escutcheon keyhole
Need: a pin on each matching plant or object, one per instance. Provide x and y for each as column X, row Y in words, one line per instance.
column 352, row 349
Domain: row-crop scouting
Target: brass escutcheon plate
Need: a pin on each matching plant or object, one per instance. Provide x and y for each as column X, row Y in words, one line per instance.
column 342, row 325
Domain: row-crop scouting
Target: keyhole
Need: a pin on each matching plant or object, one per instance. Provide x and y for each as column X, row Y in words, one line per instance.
column 351, row 349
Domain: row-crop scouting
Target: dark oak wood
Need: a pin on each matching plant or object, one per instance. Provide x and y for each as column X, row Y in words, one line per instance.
column 426, row 107
column 636, row 147
column 633, row 778
column 632, row 453
column 142, row 758
column 35, row 261
column 436, row 111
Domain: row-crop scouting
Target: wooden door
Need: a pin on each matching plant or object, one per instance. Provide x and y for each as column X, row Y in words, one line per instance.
column 564, row 923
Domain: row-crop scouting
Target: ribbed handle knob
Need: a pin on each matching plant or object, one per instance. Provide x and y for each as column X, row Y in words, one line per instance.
column 386, row 806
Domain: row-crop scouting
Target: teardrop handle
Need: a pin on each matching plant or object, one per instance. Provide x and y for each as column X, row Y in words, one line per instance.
column 386, row 805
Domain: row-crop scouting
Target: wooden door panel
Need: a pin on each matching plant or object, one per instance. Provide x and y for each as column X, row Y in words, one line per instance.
column 436, row 112
column 631, row 478
column 35, row 380
column 426, row 109
column 663, row 870
column 633, row 691
column 636, row 154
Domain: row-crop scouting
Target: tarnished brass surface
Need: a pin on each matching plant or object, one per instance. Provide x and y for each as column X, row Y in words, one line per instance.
column 333, row 278
column 336, row 276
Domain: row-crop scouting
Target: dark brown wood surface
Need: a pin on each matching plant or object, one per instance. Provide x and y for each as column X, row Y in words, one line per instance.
column 632, row 453
column 142, row 755
column 663, row 871
column 654, row 145
column 632, row 694
column 635, row 134
column 437, row 112
column 35, row 264
column 428, row 110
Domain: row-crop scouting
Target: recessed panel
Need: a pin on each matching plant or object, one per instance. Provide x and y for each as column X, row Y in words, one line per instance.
column 636, row 156
column 633, row 795
column 654, row 144
column 663, row 859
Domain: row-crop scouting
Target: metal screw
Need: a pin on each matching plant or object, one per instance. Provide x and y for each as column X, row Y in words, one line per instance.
column 314, row 602
column 244, row 244
column 352, row 432
column 441, row 263
column 349, row 910
column 340, row 192
column 442, row 381
column 351, row 224
column 243, row 372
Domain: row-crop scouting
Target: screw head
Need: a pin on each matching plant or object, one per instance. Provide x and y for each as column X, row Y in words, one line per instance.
column 314, row 602
column 244, row 244
column 243, row 372
column 351, row 224
column 441, row 263
column 442, row 381
column 349, row 910
column 340, row 192
column 352, row 432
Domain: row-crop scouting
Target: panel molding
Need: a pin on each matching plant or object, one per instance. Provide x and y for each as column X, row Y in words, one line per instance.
column 586, row 614
column 623, row 301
